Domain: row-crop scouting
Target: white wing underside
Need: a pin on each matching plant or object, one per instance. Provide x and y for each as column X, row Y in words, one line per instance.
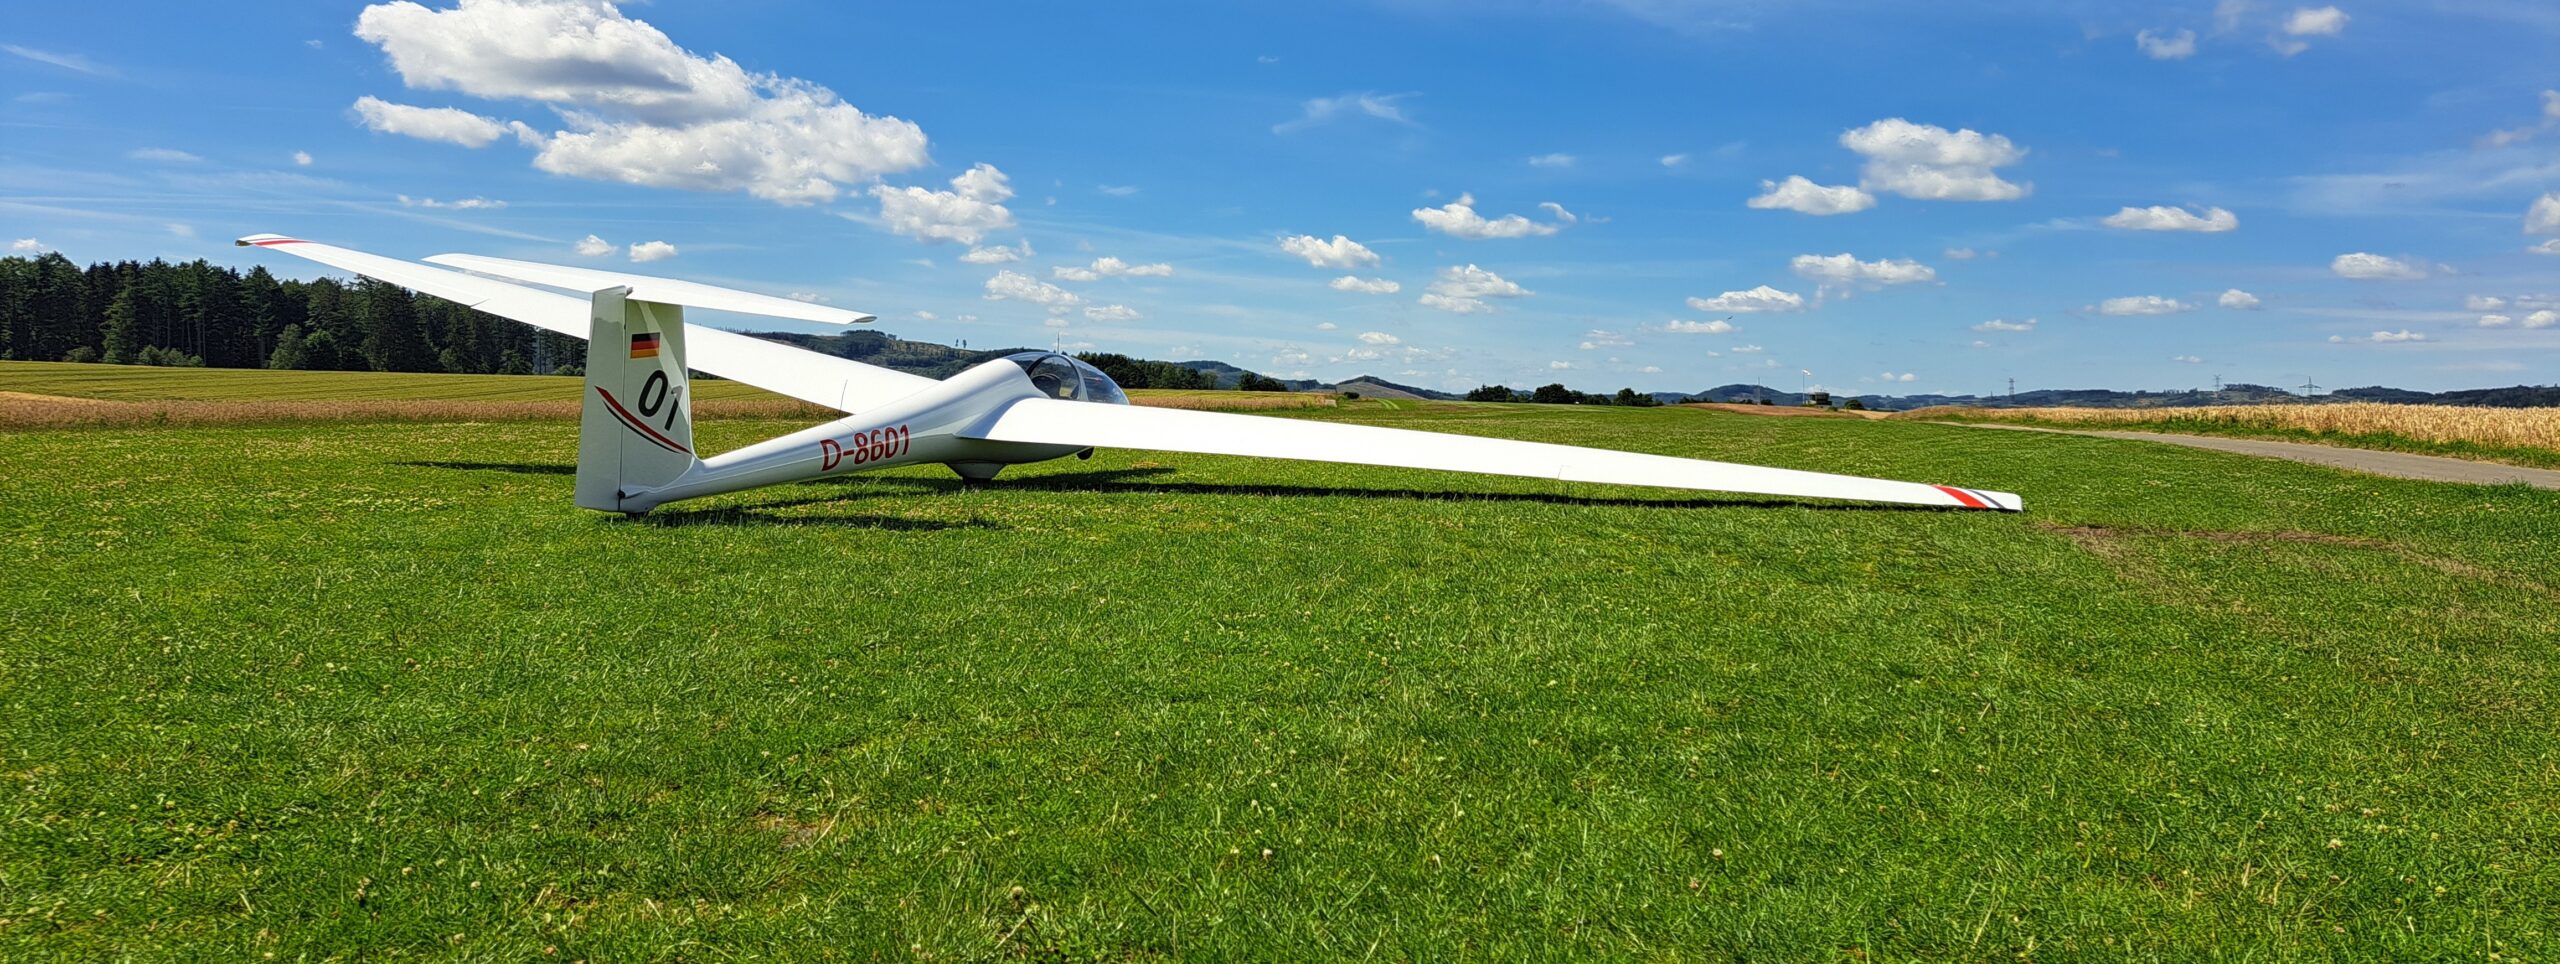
column 1054, row 422
column 644, row 288
column 838, row 383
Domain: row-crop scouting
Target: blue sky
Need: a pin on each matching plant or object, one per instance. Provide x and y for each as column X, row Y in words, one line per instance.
column 1644, row 193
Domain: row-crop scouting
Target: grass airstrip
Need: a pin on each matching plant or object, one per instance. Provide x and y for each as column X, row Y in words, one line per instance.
column 375, row 689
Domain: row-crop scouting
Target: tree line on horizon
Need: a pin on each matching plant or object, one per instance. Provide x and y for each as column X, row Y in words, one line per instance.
column 1556, row 394
column 197, row 314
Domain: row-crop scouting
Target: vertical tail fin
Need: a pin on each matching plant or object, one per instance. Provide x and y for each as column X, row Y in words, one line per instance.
column 636, row 432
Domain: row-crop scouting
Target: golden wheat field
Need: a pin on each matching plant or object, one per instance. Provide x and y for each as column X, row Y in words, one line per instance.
column 2537, row 428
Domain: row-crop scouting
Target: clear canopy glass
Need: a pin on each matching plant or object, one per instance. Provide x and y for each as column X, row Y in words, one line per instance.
column 1065, row 377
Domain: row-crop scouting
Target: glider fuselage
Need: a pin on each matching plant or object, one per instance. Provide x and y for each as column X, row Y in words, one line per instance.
column 919, row 429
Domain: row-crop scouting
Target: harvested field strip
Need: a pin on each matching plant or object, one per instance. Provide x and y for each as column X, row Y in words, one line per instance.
column 2519, row 436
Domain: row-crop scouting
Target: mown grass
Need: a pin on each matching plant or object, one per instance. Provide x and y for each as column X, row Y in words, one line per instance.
column 377, row 690
column 2513, row 436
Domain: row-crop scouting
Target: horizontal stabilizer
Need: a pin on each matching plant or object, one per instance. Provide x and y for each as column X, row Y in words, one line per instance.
column 665, row 291
column 819, row 379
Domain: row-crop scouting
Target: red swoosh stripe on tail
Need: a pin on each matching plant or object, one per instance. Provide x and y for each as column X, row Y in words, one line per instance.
column 634, row 424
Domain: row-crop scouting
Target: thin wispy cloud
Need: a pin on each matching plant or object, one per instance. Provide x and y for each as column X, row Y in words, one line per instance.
column 1358, row 105
column 71, row 62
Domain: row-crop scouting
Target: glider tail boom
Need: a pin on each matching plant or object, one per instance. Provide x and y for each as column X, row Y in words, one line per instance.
column 636, row 431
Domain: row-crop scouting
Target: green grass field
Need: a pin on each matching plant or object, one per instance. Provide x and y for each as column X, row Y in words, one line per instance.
column 378, row 690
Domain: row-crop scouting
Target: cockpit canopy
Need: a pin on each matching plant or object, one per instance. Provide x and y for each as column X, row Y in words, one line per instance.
column 1063, row 376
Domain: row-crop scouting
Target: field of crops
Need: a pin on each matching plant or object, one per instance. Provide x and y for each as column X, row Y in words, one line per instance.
column 64, row 395
column 376, row 689
column 2523, row 436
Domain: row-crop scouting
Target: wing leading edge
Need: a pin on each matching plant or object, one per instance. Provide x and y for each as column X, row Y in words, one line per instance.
column 838, row 383
column 1054, row 422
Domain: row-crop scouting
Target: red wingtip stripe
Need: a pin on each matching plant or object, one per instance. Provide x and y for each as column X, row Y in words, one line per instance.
column 276, row 241
column 634, row 424
column 1959, row 495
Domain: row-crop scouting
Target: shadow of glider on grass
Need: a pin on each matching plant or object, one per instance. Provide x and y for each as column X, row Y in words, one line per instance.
column 635, row 435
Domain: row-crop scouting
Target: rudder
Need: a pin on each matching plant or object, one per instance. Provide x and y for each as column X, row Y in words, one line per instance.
column 636, row 430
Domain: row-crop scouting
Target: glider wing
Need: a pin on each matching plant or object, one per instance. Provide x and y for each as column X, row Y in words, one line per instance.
column 667, row 291
column 1054, row 422
column 838, row 383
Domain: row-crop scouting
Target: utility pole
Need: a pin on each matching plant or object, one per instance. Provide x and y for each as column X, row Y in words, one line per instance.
column 2013, row 389
column 2217, row 383
column 2307, row 387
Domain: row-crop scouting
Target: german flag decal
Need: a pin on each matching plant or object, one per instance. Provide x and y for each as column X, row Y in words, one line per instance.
column 644, row 345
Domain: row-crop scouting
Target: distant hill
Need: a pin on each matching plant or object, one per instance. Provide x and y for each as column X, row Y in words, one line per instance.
column 2521, row 396
column 935, row 360
column 1371, row 386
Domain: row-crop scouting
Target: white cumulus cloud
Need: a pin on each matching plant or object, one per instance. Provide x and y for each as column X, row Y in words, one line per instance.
column 1458, row 219
column 2543, row 216
column 2496, row 321
column 1016, row 286
column 2388, row 337
column 1366, row 286
column 647, row 251
column 966, row 214
column 1904, row 377
column 2164, row 218
column 2164, row 46
column 466, row 204
column 2548, row 247
column 1341, row 252
column 1073, row 273
column 1934, row 164
column 2483, row 303
column 2542, row 319
column 2002, row 324
column 1110, row 313
column 2373, row 267
column 2238, row 300
column 1379, row 338
column 302, row 158
column 1844, row 269
column 2142, row 305
column 447, row 124
column 2315, row 22
column 1716, row 327
column 595, row 247
column 996, row 254
column 1802, row 196
column 27, row 246
column 1762, row 298
column 1110, row 267
column 1463, row 290
column 637, row 108
column 2187, row 359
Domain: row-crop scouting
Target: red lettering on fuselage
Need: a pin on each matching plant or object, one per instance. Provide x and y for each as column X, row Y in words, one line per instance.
column 861, row 447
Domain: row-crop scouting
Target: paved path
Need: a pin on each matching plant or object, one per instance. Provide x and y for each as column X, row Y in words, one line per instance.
column 2397, row 464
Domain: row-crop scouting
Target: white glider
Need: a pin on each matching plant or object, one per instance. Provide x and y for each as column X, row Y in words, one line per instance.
column 635, row 442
